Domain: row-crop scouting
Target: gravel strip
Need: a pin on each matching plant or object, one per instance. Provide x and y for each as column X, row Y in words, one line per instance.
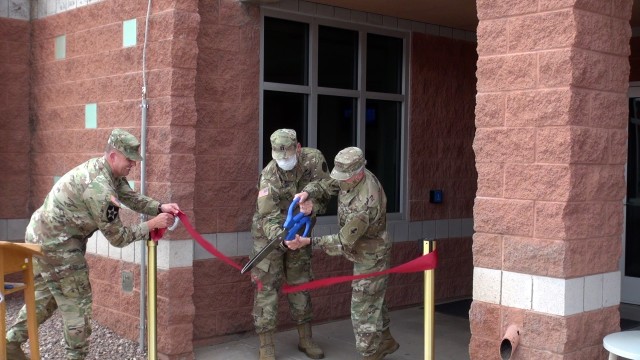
column 104, row 344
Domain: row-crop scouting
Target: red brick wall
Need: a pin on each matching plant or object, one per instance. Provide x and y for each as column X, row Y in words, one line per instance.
column 441, row 127
column 97, row 69
column 14, row 117
column 120, row 310
column 551, row 136
column 227, row 98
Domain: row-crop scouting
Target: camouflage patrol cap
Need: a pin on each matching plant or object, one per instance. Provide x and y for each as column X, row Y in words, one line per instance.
column 126, row 143
column 348, row 162
column 283, row 143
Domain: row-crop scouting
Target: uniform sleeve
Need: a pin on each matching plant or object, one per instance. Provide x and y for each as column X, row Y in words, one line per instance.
column 320, row 172
column 355, row 226
column 106, row 215
column 271, row 217
column 322, row 189
column 135, row 201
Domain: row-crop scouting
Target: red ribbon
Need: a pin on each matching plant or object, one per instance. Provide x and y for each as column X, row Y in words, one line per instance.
column 156, row 234
column 423, row 263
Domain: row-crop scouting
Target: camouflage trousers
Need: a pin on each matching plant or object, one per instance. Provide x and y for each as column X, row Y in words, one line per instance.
column 61, row 282
column 369, row 315
column 291, row 266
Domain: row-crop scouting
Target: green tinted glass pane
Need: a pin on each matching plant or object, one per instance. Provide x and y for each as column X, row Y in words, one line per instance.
column 61, row 47
column 384, row 64
column 283, row 110
column 382, row 147
column 91, row 116
column 337, row 58
column 286, row 51
column 129, row 32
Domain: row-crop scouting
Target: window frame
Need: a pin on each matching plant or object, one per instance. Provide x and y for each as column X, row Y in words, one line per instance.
column 312, row 91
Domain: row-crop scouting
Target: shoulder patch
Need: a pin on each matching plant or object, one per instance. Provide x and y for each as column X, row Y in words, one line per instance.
column 112, row 212
column 263, row 192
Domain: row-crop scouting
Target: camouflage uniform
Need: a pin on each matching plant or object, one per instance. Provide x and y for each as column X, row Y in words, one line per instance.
column 84, row 200
column 276, row 189
column 363, row 240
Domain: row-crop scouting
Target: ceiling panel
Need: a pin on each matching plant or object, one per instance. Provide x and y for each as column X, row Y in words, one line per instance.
column 458, row 14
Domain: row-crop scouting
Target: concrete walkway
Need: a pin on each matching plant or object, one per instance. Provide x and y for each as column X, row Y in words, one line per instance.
column 452, row 337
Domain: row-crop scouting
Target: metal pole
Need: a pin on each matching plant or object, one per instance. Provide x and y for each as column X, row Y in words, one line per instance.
column 152, row 351
column 143, row 171
column 143, row 217
column 429, row 304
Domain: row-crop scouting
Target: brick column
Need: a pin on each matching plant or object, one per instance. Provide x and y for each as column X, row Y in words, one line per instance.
column 550, row 146
column 14, row 125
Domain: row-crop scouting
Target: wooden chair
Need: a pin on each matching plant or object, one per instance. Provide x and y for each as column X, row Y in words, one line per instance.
column 18, row 257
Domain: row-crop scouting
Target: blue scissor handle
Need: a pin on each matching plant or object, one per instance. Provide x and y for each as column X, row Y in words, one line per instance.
column 302, row 220
column 289, row 222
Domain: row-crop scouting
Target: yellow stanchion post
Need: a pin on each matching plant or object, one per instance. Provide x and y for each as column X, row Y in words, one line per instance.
column 429, row 304
column 152, row 338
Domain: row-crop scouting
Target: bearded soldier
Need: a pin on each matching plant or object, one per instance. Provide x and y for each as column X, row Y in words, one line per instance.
column 86, row 199
column 363, row 240
column 292, row 168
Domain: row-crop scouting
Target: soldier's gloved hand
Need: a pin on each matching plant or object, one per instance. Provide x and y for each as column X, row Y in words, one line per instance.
column 161, row 221
column 171, row 208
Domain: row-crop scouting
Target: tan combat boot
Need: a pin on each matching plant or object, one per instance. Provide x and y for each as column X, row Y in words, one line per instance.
column 306, row 343
column 387, row 346
column 267, row 349
column 14, row 351
column 388, row 342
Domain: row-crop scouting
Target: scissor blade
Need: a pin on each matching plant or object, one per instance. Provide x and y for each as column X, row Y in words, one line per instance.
column 261, row 254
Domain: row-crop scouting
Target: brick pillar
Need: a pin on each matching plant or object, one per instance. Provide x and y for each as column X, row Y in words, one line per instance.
column 14, row 126
column 550, row 146
column 174, row 33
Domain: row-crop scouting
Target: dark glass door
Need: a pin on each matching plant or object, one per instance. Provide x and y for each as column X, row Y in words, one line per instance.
column 631, row 270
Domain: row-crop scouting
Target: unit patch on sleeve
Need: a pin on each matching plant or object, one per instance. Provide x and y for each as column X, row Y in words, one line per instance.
column 112, row 212
column 263, row 192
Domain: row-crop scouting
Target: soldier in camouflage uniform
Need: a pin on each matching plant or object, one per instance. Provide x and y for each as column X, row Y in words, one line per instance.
column 292, row 168
column 86, row 199
column 363, row 240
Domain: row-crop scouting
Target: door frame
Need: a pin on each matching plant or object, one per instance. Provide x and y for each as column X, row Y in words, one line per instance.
column 630, row 286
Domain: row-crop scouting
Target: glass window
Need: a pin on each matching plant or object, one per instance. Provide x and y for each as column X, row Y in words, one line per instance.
column 337, row 58
column 336, row 130
column 384, row 64
column 382, row 147
column 286, row 51
column 336, row 125
column 283, row 110
column 332, row 110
